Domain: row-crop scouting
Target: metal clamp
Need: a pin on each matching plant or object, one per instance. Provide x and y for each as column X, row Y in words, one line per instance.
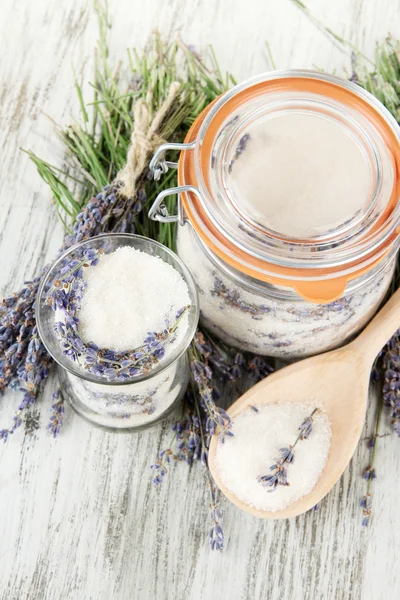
column 159, row 212
column 159, row 166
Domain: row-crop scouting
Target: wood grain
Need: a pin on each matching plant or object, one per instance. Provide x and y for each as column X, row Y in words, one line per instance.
column 79, row 519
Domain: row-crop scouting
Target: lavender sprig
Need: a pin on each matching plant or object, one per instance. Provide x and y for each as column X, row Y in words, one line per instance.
column 24, row 362
column 217, row 417
column 5, row 433
column 369, row 473
column 216, row 531
column 159, row 467
column 278, row 475
column 391, row 384
column 57, row 414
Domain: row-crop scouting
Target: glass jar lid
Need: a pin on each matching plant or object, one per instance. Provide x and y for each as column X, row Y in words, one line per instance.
column 298, row 173
column 294, row 179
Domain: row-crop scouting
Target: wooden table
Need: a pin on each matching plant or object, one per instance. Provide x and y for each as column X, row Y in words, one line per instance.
column 79, row 519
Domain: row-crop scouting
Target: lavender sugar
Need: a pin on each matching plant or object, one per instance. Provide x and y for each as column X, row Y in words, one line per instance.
column 258, row 439
column 128, row 294
column 130, row 299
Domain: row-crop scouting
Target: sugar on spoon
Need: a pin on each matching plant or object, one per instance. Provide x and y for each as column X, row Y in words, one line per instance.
column 339, row 380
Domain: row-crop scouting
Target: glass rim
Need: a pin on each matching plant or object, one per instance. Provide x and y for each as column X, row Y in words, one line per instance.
column 70, row 365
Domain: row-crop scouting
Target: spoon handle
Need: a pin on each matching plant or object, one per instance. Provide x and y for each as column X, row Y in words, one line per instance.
column 380, row 330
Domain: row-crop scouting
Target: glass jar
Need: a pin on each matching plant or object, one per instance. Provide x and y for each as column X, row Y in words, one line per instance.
column 295, row 272
column 141, row 400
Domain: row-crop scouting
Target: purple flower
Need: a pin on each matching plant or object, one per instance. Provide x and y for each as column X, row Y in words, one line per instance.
column 306, row 427
column 278, row 475
column 57, row 414
column 216, row 531
column 369, row 473
column 159, row 472
column 366, row 505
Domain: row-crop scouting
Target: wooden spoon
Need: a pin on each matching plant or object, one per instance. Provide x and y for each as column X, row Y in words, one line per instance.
column 338, row 381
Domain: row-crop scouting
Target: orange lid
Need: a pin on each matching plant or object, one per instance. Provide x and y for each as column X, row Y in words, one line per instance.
column 318, row 266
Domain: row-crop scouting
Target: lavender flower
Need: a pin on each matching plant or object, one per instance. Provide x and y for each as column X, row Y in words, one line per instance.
column 24, row 363
column 391, row 380
column 232, row 297
column 159, row 472
column 217, row 417
column 216, row 531
column 306, row 426
column 5, row 433
column 366, row 505
column 57, row 414
column 278, row 475
column 240, row 148
column 258, row 368
column 369, row 473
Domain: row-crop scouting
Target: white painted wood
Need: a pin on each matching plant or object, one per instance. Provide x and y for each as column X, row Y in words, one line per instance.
column 79, row 519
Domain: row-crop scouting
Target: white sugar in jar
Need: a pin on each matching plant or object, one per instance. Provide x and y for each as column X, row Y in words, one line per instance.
column 138, row 305
column 289, row 211
column 275, row 321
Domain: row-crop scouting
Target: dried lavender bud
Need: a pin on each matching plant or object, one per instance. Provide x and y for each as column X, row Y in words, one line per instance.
column 216, row 531
column 306, row 426
column 57, row 416
column 369, row 473
column 278, row 475
column 240, row 148
column 232, row 297
column 391, row 380
column 366, row 505
column 159, row 473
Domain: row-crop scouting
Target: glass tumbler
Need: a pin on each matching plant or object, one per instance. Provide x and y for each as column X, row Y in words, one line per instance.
column 141, row 400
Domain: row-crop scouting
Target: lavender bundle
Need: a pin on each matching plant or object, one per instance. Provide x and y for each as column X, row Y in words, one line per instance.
column 24, row 362
column 159, row 98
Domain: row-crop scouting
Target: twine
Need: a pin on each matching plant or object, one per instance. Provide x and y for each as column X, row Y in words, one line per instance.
column 145, row 139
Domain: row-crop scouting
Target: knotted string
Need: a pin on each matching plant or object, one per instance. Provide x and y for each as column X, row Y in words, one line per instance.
column 145, row 139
